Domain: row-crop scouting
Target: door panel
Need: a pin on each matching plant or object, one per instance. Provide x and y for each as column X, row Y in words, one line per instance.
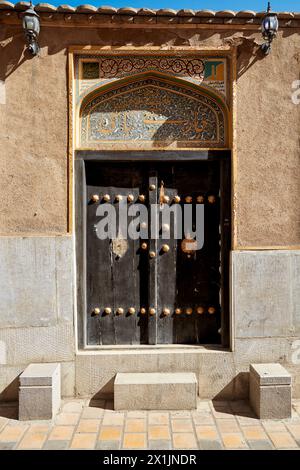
column 189, row 281
column 115, row 267
column 122, row 274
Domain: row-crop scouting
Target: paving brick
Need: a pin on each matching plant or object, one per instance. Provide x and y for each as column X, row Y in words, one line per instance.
column 181, row 414
column 108, row 445
column 239, row 430
column 135, row 425
column 252, row 433
column 294, row 430
column 56, row 445
column 113, row 419
column 260, row 445
column 282, row 440
column 88, row 425
column 158, row 418
column 110, row 433
column 67, row 419
column 83, row 441
column 12, row 432
column 184, row 441
column 158, row 444
column 73, row 407
column 182, row 425
column 33, row 440
column 203, row 418
column 203, row 406
column 61, row 433
column 247, row 420
column 234, row 441
column 222, row 414
column 161, row 432
column 7, row 445
column 40, row 427
column 134, row 441
column 274, row 426
column 206, row 433
column 137, row 414
column 92, row 413
column 210, row 444
column 227, row 425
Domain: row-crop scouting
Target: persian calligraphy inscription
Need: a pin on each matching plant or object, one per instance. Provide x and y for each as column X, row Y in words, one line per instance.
column 166, row 101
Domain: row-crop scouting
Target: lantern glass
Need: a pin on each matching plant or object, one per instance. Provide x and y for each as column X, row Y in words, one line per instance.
column 31, row 22
column 270, row 25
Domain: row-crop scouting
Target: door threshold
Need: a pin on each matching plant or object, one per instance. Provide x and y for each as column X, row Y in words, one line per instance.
column 178, row 348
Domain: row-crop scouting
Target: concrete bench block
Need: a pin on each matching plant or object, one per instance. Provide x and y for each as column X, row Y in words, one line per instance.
column 155, row 391
column 270, row 391
column 39, row 391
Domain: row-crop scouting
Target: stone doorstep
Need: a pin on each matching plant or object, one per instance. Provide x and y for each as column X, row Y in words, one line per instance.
column 40, row 374
column 40, row 391
column 140, row 378
column 270, row 374
column 270, row 391
column 155, row 391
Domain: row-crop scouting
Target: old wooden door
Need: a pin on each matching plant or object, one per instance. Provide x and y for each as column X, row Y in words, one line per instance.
column 156, row 289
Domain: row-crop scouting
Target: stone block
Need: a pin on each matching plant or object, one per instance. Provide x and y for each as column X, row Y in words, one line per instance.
column 36, row 286
column 155, row 391
column 39, row 344
column 270, row 391
column 265, row 284
column 39, row 392
column 96, row 371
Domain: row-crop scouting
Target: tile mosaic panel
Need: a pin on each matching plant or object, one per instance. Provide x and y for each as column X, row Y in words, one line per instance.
column 152, row 113
column 207, row 72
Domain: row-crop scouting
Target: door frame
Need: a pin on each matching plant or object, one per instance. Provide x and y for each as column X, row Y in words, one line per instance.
column 83, row 156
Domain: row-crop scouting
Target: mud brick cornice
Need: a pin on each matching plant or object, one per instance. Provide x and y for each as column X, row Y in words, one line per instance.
column 106, row 16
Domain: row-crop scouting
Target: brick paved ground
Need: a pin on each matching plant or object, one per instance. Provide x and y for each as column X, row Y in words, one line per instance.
column 214, row 425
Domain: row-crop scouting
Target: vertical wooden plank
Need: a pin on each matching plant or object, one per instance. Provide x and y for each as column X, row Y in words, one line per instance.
column 198, row 272
column 166, row 261
column 153, row 243
column 128, row 268
column 99, row 280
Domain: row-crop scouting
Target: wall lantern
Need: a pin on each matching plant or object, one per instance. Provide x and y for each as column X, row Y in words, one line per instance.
column 31, row 27
column 269, row 28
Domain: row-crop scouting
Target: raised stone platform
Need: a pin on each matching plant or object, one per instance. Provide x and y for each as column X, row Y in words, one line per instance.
column 155, row 391
column 39, row 392
column 270, row 391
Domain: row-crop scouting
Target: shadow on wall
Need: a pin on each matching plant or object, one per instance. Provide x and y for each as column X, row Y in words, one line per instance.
column 11, row 392
column 237, row 387
column 14, row 52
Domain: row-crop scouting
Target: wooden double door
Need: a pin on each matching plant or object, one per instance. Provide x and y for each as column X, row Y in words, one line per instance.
column 156, row 287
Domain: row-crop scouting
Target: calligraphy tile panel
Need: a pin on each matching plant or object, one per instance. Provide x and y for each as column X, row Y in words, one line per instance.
column 152, row 113
column 207, row 72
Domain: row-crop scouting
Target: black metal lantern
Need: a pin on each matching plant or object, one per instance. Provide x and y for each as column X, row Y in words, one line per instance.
column 269, row 28
column 31, row 27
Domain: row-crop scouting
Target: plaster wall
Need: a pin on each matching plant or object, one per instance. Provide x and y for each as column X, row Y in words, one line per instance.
column 34, row 129
column 36, row 255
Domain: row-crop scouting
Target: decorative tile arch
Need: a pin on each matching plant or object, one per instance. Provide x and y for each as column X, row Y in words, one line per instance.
column 152, row 111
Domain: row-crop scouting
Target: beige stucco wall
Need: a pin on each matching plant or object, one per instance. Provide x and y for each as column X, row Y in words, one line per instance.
column 34, row 129
column 267, row 137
